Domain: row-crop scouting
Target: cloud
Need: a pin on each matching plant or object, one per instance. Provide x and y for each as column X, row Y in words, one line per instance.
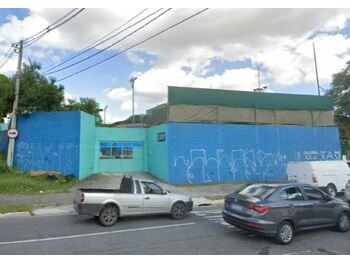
column 134, row 58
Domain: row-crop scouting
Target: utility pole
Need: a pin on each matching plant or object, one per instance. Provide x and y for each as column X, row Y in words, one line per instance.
column 11, row 146
column 259, row 85
column 318, row 83
column 132, row 80
column 104, row 111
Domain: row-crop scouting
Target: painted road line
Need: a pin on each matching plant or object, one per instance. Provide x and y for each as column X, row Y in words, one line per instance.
column 216, row 211
column 95, row 234
column 217, row 216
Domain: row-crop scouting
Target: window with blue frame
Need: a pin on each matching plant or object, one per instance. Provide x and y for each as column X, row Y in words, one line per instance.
column 118, row 150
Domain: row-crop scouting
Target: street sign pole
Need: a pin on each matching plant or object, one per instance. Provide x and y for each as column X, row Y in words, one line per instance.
column 13, row 124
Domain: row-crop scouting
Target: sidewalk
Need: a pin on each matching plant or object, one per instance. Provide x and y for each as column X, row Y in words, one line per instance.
column 203, row 195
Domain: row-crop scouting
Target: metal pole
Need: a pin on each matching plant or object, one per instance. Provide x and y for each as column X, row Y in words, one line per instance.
column 11, row 146
column 104, row 117
column 258, row 77
column 318, row 83
column 132, row 80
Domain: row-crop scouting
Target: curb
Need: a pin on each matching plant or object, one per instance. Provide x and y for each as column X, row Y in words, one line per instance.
column 198, row 202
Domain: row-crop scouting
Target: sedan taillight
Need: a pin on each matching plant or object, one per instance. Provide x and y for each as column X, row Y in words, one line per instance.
column 258, row 208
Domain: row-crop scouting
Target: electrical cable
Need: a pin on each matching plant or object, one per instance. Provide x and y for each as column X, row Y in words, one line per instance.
column 111, row 45
column 91, row 46
column 139, row 43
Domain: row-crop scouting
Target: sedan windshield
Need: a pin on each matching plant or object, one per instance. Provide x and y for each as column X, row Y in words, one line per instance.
column 258, row 191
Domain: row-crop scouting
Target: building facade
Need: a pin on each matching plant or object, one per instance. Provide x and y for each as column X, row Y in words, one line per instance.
column 198, row 136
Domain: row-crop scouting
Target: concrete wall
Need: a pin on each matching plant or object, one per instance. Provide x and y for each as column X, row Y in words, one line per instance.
column 121, row 135
column 48, row 141
column 157, row 151
column 88, row 152
column 200, row 153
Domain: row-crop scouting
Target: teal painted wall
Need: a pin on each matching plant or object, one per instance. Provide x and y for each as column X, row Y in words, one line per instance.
column 139, row 161
column 157, row 152
column 3, row 127
column 87, row 164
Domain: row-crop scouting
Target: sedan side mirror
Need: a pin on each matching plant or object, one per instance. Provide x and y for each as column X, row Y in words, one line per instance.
column 165, row 192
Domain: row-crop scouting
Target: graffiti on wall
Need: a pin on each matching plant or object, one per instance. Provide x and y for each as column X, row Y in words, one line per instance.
column 60, row 157
column 241, row 164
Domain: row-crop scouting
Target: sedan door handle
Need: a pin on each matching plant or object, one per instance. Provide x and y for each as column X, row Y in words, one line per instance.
column 147, row 198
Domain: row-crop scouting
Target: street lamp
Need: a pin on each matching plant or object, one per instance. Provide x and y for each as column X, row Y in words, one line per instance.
column 132, row 81
column 104, row 113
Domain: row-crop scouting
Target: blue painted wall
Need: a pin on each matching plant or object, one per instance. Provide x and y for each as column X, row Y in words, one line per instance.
column 200, row 153
column 3, row 141
column 48, row 141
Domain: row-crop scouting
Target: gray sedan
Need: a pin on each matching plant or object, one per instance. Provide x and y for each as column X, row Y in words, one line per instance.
column 347, row 192
column 280, row 210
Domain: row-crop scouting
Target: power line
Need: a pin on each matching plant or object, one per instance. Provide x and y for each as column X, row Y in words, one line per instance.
column 111, row 45
column 31, row 40
column 7, row 57
column 32, row 36
column 139, row 43
column 91, row 46
column 7, row 53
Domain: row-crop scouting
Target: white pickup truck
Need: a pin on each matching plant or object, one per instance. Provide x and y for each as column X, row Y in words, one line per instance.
column 134, row 197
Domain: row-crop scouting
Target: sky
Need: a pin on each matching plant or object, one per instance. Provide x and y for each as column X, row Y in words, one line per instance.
column 220, row 49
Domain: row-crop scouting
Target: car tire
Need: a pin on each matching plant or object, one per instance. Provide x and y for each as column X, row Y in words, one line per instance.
column 343, row 222
column 331, row 190
column 285, row 233
column 178, row 211
column 108, row 215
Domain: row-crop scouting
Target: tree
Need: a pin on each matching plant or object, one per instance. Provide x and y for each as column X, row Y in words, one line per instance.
column 340, row 93
column 89, row 105
column 6, row 98
column 37, row 93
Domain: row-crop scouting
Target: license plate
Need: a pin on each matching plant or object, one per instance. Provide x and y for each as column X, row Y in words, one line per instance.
column 236, row 207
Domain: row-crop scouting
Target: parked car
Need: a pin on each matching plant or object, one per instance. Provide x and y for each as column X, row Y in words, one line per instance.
column 281, row 210
column 330, row 176
column 134, row 197
column 347, row 192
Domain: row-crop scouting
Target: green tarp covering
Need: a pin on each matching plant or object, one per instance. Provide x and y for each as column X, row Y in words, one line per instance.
column 245, row 99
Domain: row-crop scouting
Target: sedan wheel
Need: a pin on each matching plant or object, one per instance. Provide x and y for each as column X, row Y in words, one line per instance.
column 284, row 233
column 178, row 211
column 108, row 216
column 331, row 190
column 343, row 222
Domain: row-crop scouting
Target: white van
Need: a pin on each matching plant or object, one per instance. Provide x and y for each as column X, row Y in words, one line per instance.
column 330, row 176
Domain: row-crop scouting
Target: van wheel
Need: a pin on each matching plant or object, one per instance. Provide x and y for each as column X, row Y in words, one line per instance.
column 331, row 190
column 284, row 233
column 108, row 215
column 343, row 222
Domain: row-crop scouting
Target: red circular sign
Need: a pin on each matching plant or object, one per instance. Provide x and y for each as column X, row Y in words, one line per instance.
column 12, row 133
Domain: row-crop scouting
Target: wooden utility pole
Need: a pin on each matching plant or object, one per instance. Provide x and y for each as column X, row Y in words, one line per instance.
column 13, row 123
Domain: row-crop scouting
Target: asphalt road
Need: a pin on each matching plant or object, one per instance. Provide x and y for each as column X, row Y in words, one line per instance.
column 202, row 232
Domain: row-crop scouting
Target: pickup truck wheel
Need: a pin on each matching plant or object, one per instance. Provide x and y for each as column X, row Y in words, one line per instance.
column 108, row 216
column 178, row 211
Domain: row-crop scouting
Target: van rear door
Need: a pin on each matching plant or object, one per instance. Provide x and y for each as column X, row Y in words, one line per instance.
column 300, row 172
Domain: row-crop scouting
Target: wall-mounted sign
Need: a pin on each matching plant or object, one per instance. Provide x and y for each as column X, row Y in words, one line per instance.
column 12, row 133
column 161, row 137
